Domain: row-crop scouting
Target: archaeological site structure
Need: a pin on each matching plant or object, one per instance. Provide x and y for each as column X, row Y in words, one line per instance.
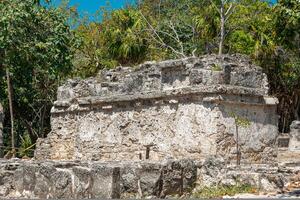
column 171, row 109
column 160, row 129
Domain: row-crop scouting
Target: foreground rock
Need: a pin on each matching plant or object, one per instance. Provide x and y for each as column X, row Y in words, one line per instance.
column 188, row 108
column 79, row 180
column 84, row 180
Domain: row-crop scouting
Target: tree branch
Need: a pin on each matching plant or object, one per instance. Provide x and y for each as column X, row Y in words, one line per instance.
column 177, row 37
column 159, row 40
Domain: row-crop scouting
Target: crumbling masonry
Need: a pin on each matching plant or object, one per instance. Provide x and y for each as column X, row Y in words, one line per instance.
column 162, row 129
column 172, row 109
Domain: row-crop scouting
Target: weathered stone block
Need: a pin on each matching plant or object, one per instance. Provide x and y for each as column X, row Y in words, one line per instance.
column 149, row 176
column 177, row 177
column 196, row 76
column 105, row 182
column 82, row 182
column 44, row 187
column 29, row 177
column 62, row 182
column 129, row 180
column 294, row 144
column 139, row 180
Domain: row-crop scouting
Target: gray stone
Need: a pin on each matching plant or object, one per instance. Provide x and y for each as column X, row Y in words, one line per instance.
column 143, row 179
column 211, row 171
column 140, row 180
column 129, row 180
column 196, row 76
column 295, row 125
column 181, row 108
column 149, row 176
column 62, row 182
column 82, row 182
column 105, row 182
column 178, row 177
column 294, row 143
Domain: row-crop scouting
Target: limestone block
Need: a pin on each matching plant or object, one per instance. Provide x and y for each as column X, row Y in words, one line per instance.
column 129, row 180
column 271, row 100
column 149, row 176
column 140, row 179
column 196, row 76
column 62, row 182
column 294, row 144
column 143, row 179
column 82, row 182
column 105, row 182
column 178, row 177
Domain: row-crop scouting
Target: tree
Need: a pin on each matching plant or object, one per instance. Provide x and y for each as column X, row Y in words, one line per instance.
column 122, row 35
column 36, row 51
column 239, row 122
column 117, row 40
column 88, row 58
column 11, row 112
column 163, row 29
column 1, row 128
column 287, row 29
column 173, row 32
column 224, row 16
column 288, row 24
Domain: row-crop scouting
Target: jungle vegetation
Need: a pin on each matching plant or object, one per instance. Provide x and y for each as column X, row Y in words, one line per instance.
column 41, row 46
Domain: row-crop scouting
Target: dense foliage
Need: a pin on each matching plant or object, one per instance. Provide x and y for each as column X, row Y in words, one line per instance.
column 268, row 33
column 37, row 46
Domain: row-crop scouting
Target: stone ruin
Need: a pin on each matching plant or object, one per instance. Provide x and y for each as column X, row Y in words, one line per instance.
column 172, row 109
column 162, row 129
column 294, row 142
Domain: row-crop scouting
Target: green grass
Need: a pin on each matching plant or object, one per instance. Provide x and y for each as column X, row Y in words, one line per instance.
column 216, row 68
column 219, row 191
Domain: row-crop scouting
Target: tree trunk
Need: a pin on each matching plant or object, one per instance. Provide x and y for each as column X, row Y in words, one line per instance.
column 9, row 89
column 222, row 33
column 238, row 153
column 297, row 106
column 1, row 130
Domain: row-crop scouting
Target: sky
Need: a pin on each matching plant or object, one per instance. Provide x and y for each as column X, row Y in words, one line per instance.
column 89, row 7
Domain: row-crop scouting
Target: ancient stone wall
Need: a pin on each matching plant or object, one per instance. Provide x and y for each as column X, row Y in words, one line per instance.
column 172, row 109
column 83, row 180
column 142, row 179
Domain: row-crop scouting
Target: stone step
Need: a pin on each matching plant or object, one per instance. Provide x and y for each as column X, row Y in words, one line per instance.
column 283, row 141
column 289, row 158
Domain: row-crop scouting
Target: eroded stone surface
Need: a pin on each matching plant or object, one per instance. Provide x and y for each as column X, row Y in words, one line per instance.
column 294, row 144
column 173, row 178
column 266, row 178
column 171, row 109
column 64, row 180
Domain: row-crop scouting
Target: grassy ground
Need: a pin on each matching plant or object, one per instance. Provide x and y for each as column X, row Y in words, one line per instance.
column 219, row 191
